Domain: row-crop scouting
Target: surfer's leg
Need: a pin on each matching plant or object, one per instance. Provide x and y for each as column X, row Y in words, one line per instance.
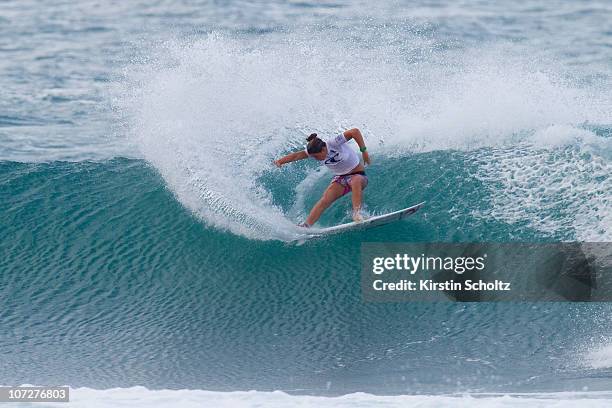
column 357, row 183
column 331, row 194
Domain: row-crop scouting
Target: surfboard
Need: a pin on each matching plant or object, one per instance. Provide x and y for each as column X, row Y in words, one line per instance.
column 371, row 222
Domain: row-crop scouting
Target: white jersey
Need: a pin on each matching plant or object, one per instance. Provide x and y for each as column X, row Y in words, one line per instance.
column 341, row 159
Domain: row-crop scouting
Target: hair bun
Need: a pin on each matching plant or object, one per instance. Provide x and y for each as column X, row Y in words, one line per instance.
column 311, row 137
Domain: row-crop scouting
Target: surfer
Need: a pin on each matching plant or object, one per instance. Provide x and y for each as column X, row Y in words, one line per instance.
column 343, row 162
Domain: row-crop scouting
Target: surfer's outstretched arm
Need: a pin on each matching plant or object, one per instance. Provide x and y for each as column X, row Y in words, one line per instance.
column 291, row 157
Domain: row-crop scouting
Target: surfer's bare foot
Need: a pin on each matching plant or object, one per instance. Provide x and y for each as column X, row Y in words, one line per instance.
column 357, row 217
column 304, row 225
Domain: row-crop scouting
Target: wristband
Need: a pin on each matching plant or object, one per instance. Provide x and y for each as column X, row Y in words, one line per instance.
column 363, row 149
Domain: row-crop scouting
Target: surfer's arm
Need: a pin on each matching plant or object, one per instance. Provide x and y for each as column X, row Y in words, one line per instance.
column 291, row 157
column 356, row 135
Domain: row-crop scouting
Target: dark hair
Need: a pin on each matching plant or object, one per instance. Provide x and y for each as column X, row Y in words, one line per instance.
column 315, row 145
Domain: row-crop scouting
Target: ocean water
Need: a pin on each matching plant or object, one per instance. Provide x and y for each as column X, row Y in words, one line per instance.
column 148, row 255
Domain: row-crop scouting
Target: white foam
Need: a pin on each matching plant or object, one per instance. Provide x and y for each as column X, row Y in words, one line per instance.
column 554, row 184
column 562, row 135
column 212, row 114
column 142, row 397
column 600, row 357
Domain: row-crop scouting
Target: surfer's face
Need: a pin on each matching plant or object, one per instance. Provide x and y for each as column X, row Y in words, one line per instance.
column 321, row 155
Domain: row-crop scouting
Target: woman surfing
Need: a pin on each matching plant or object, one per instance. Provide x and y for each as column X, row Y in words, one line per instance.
column 343, row 162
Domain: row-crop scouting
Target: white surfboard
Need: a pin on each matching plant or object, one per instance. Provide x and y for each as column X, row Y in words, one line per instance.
column 367, row 223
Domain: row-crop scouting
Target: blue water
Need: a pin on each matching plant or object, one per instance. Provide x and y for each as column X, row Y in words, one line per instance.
column 147, row 239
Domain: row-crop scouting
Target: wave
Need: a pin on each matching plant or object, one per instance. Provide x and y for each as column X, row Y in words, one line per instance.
column 140, row 396
column 229, row 313
column 212, row 114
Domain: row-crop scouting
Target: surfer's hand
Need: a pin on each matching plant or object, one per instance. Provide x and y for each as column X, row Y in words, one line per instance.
column 277, row 163
column 366, row 158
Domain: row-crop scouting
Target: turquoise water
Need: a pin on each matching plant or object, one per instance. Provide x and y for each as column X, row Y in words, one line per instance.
column 149, row 241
